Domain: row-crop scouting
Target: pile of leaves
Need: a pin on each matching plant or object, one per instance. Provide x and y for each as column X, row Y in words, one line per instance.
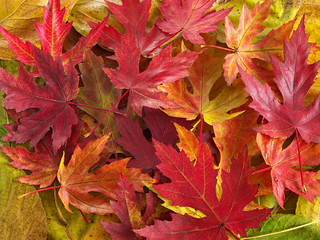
column 167, row 120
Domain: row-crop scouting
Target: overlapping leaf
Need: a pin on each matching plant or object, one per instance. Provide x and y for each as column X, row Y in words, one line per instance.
column 20, row 219
column 99, row 92
column 232, row 135
column 18, row 15
column 195, row 186
column 133, row 15
column 294, row 77
column 50, row 101
column 52, row 34
column 128, row 209
column 190, row 18
column 284, row 171
column 246, row 50
column 162, row 126
column 42, row 164
column 204, row 73
column 142, row 85
column 77, row 181
column 133, row 141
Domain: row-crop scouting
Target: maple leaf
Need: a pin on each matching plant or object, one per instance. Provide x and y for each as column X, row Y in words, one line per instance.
column 205, row 72
column 195, row 186
column 99, row 92
column 77, row 181
column 44, row 161
column 52, row 34
column 133, row 141
column 189, row 18
column 51, row 101
column 242, row 41
column 188, row 142
column 294, row 77
column 284, row 173
column 133, row 15
column 232, row 135
column 128, row 209
column 42, row 164
column 162, row 126
column 142, row 86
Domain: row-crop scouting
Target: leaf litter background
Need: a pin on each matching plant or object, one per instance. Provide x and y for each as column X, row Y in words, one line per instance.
column 195, row 88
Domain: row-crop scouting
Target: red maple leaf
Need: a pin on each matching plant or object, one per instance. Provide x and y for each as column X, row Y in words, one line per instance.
column 133, row 15
column 52, row 34
column 128, row 209
column 133, row 141
column 284, row 172
column 189, row 18
column 162, row 126
column 294, row 77
column 195, row 186
column 42, row 164
column 143, row 85
column 50, row 101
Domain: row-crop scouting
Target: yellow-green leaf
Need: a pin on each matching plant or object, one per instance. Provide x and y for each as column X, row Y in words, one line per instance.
column 309, row 210
column 20, row 218
column 205, row 72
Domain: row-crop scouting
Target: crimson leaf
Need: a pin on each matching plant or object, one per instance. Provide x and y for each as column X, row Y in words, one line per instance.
column 195, row 186
column 294, row 77
column 51, row 101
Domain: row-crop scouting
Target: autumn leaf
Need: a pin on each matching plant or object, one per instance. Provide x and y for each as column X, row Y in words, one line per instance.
column 133, row 15
column 17, row 15
column 309, row 210
column 162, row 126
column 242, row 41
column 142, row 85
column 94, row 11
column 51, row 100
column 293, row 77
column 195, row 186
column 77, row 181
column 128, row 209
column 232, row 135
column 284, row 170
column 133, row 140
column 203, row 74
column 20, row 219
column 99, row 92
column 188, row 142
column 42, row 164
column 190, row 17
column 52, row 34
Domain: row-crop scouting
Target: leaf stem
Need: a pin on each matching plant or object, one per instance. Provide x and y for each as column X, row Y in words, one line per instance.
column 300, row 163
column 97, row 108
column 222, row 48
column 261, row 170
column 84, row 217
column 39, row 190
column 111, row 109
column 201, row 129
